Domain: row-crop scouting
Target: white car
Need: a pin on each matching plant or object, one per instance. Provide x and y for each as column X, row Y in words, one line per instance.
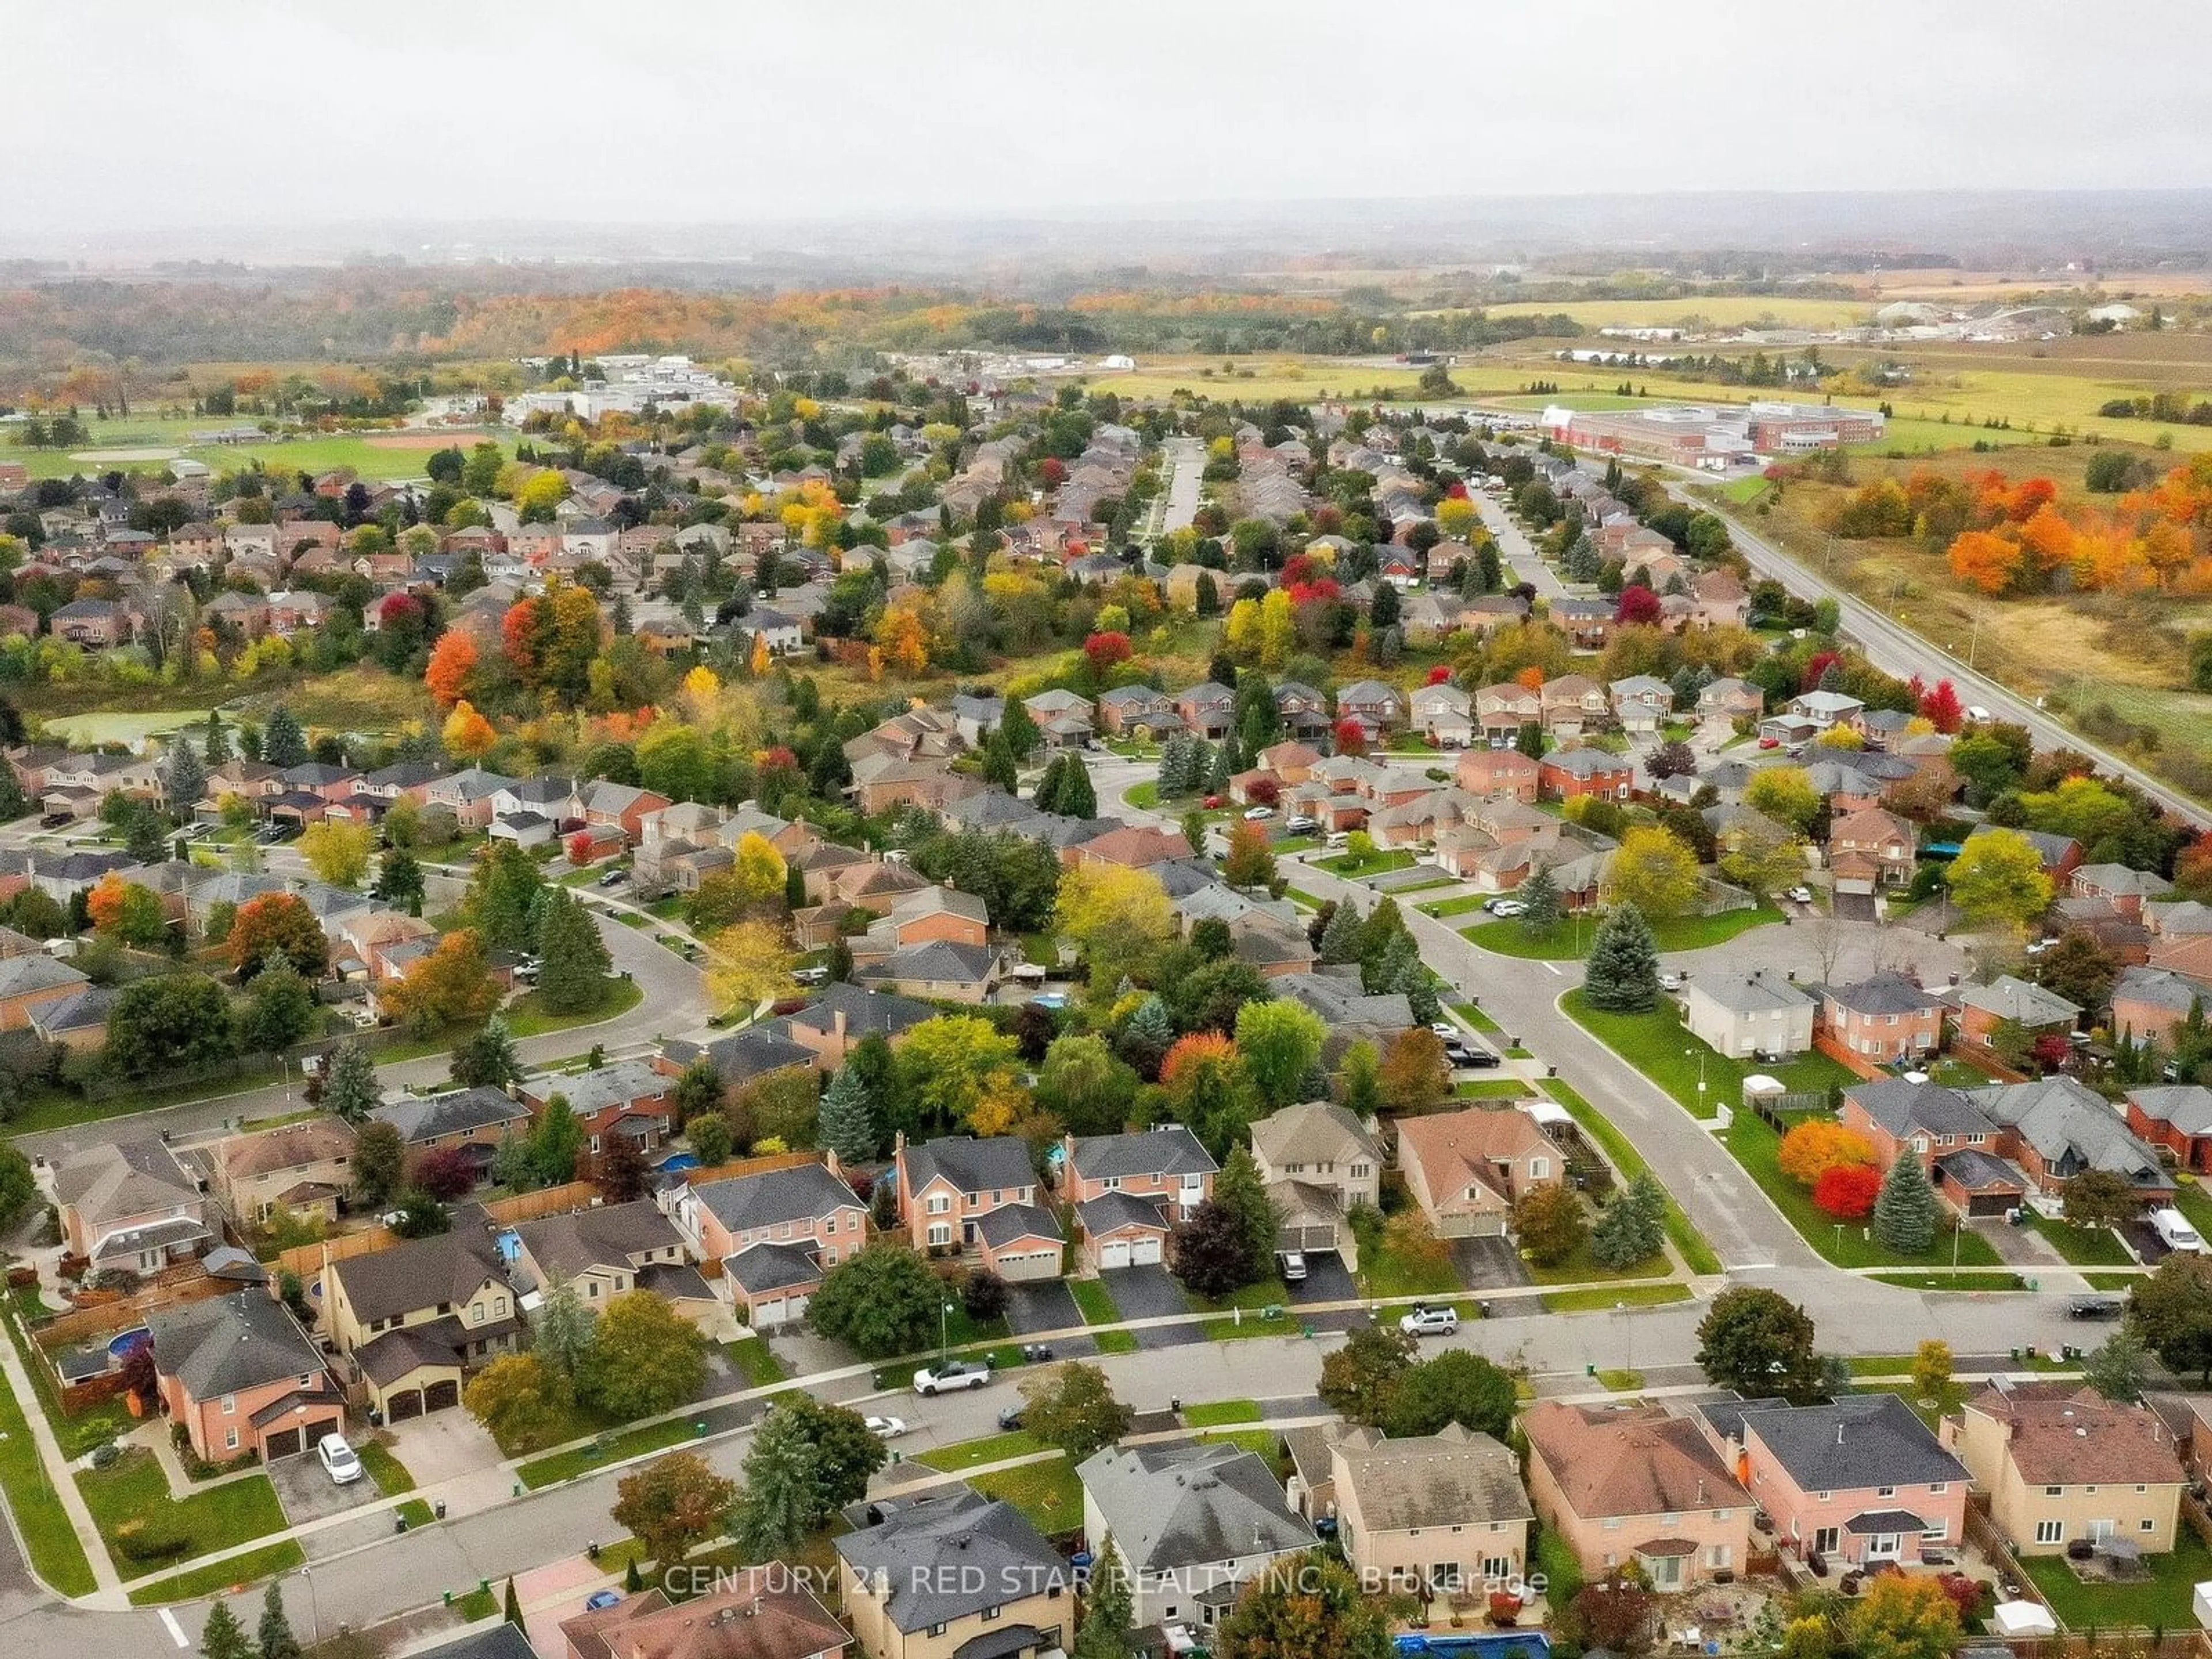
column 1255, row 814
column 1509, row 908
column 1670, row 980
column 1799, row 894
column 338, row 1459
column 885, row 1428
column 1445, row 1030
column 953, row 1374
column 1431, row 1321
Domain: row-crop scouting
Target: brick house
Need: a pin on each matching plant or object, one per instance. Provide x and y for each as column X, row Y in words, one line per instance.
column 1881, row 845
column 1636, row 1485
column 1858, row 1482
column 1497, row 772
column 2177, row 1117
column 1574, row 704
column 625, row 1098
column 414, row 1320
column 2149, row 1002
column 129, row 1206
column 238, row 1376
column 954, row 1575
column 1468, row 1169
column 1567, row 773
column 1128, row 1190
column 303, row 1169
column 1501, row 710
column 1882, row 1018
column 959, row 1195
column 2061, row 1464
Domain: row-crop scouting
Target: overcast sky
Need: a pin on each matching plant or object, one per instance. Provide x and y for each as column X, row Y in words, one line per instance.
column 126, row 113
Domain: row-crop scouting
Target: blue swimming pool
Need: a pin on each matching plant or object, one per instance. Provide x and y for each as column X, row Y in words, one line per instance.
column 1487, row 1644
column 120, row 1345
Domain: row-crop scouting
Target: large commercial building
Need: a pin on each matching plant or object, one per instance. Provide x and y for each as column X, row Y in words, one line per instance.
column 1704, row 434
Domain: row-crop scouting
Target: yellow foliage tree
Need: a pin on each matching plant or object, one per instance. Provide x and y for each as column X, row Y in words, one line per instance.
column 904, row 641
column 467, row 734
column 336, row 852
column 1654, row 872
column 758, row 664
column 1278, row 629
column 700, row 687
column 1240, row 635
column 1817, row 1146
column 1118, row 917
column 748, row 963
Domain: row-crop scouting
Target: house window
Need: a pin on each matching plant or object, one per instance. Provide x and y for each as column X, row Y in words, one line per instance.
column 1884, row 1492
column 991, row 1613
column 2147, row 1524
column 476, row 1310
column 230, row 1440
column 940, row 1233
column 229, row 1405
column 1540, row 1169
column 937, row 1630
column 1939, row 1488
column 595, row 1145
column 592, row 1290
column 940, row 1203
column 1112, row 1183
column 2052, row 1491
column 2050, row 1532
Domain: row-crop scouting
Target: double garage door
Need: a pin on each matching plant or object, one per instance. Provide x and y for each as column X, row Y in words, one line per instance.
column 290, row 1442
column 1016, row 1267
column 772, row 1312
column 1142, row 1251
column 414, row 1403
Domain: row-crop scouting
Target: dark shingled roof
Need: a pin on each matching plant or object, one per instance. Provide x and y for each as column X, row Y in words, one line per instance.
column 971, row 1165
column 1862, row 1440
column 228, row 1344
column 922, row 1552
column 1170, row 1149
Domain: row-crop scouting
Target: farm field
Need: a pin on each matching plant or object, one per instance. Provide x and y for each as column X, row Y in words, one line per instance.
column 127, row 445
column 1721, row 311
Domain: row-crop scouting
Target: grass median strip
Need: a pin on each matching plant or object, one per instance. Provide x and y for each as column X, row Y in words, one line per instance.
column 974, row 1454
column 239, row 1569
column 1218, row 1413
column 753, row 1361
column 1598, row 1298
column 607, row 1449
column 1096, row 1302
column 1512, row 936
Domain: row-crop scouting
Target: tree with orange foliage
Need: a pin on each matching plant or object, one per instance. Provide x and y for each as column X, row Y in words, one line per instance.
column 2049, row 541
column 904, row 642
column 467, row 734
column 1530, row 678
column 277, row 924
column 1817, row 1146
column 453, row 659
column 1984, row 559
column 1207, row 1088
column 126, row 912
column 450, row 986
column 2192, row 869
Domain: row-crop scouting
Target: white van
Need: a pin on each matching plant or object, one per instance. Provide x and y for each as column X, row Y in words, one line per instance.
column 2172, row 1227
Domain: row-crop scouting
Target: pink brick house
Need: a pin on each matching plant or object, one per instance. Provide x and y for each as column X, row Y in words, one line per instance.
column 1636, row 1485
column 959, row 1194
column 1129, row 1190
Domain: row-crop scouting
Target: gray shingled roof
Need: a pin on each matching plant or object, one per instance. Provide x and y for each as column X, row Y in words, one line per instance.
column 1862, row 1440
column 939, row 1558
column 1882, row 993
column 228, row 1344
column 742, row 1203
column 421, row 1272
column 1002, row 1226
column 770, row 1267
column 458, row 1111
column 1903, row 1107
column 567, row 1245
column 1181, row 1506
column 971, row 1165
column 1170, row 1149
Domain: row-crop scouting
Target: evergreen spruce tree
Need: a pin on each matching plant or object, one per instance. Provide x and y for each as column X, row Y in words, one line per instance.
column 215, row 740
column 1107, row 1609
column 1904, row 1209
column 999, row 766
column 1017, row 729
column 1529, row 740
column 400, row 880
column 1420, row 987
column 184, row 777
column 1078, row 798
column 1221, row 769
column 1399, row 958
column 349, row 1086
column 847, row 1120
column 1622, row 977
column 1201, row 763
column 1541, row 895
column 282, row 743
column 1148, row 1036
column 782, row 1489
column 1633, row 1227
column 1239, row 1189
column 1174, row 766
column 222, row 1637
column 1046, row 796
column 276, row 1639
column 1339, row 940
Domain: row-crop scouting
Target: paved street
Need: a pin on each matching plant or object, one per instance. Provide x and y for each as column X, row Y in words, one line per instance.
column 1186, row 459
column 1525, row 562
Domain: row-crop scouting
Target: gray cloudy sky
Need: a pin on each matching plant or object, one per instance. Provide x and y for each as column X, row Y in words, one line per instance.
column 182, row 112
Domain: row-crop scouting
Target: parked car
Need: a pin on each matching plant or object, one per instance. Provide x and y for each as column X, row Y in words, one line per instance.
column 1770, row 742
column 1010, row 1418
column 614, row 878
column 932, row 1380
column 1256, row 814
column 338, row 1459
column 2096, row 1307
column 2174, row 1231
column 1509, row 907
column 1800, row 895
column 1446, row 1030
column 1301, row 825
column 1293, row 1264
column 885, row 1428
column 1480, row 1058
column 1670, row 980
column 1431, row 1321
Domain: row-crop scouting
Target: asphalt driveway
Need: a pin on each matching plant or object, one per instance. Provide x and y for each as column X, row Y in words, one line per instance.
column 1488, row 1264
column 1151, row 1293
column 309, row 1494
column 1327, row 1279
column 1048, row 1305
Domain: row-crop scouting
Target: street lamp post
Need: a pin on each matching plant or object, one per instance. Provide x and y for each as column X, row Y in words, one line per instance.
column 314, row 1605
column 943, row 1328
column 1700, row 1052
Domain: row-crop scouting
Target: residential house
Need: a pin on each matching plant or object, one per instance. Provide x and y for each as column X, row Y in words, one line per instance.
column 1881, row 1018
column 1642, row 704
column 1319, row 1164
column 2062, row 1464
column 738, row 1057
column 763, row 1612
column 941, row 970
column 1636, row 1484
column 621, row 807
column 1501, row 710
column 129, row 1206
column 1586, row 623
column 1468, row 1169
column 2148, row 1003
column 775, row 1233
column 1138, row 847
column 960, row 1195
column 607, row 1251
column 2009, row 1000
column 416, row 1319
column 1129, row 1190
column 1858, row 1482
column 1731, row 699
column 1129, row 709
column 628, row 1100
column 1497, row 772
column 2127, row 888
column 1565, row 774
column 1379, row 709
column 300, row 1169
column 1208, row 709
column 1574, row 705
column 1303, row 709
column 474, row 1119
column 2177, row 1117
column 924, row 917
column 2181, row 936
column 954, row 1575
column 1871, row 850
column 1960, row 1145
column 29, row 984
column 1430, row 1515
column 1743, row 1014
column 2061, row 855
column 1191, row 1523
column 1823, row 709
column 1444, row 715
column 237, row 1375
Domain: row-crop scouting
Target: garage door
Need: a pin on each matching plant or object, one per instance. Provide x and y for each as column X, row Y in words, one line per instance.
column 1145, row 1252
column 440, row 1396
column 400, row 1407
column 1021, row 1265
column 1114, row 1253
column 285, row 1442
column 775, row 1310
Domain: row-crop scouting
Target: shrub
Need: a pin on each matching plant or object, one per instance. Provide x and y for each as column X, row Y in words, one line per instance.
column 1847, row 1191
column 1811, row 1149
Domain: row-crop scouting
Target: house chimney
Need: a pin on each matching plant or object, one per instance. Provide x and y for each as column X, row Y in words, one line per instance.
column 1840, row 1434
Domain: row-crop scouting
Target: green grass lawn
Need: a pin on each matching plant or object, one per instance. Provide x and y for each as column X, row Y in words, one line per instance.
column 390, row 1474
column 2190, row 1199
column 1583, row 1268
column 1598, row 1298
column 1511, row 936
column 1758, row 1148
column 97, row 1423
column 1219, row 1413
column 239, row 1569
column 1661, row 1047
column 1620, row 1381
column 1489, row 1089
column 1265, row 1444
column 1384, row 1274
column 1942, row 1279
column 43, row 1524
column 1095, row 1301
column 1047, row 1493
column 1117, row 1341
column 1441, row 908
column 607, row 1449
column 1350, row 868
column 132, row 1489
column 1146, row 797
column 2113, row 1281
column 2163, row 1602
column 2085, row 1246
column 1475, row 1017
column 1269, row 1292
column 974, row 1454
column 755, row 1363
column 528, row 1017
column 1691, row 1244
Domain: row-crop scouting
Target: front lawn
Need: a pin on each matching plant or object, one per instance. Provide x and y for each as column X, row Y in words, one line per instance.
column 265, row 1563
column 1095, row 1301
column 1512, row 936
column 1441, row 908
column 754, row 1361
column 527, row 1016
column 2085, row 1246
column 1382, row 858
column 974, row 1454
column 1219, row 1413
column 1384, row 1274
column 607, row 1449
column 1598, row 1298
column 43, row 1524
column 2163, row 1602
column 1046, row 1493
column 1661, row 1047
column 1699, row 1255
column 129, row 1502
column 1268, row 1293
column 1848, row 1244
column 390, row 1474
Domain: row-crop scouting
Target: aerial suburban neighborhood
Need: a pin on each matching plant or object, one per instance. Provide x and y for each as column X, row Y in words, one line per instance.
column 743, row 927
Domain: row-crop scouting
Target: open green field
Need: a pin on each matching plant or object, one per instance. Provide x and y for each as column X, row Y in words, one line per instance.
column 1718, row 311
column 316, row 453
column 130, row 730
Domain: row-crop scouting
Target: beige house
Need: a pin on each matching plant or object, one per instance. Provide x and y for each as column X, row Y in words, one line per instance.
column 1445, row 1511
column 303, row 1168
column 415, row 1319
column 2062, row 1462
column 129, row 1206
column 1636, row 1485
column 954, row 1574
column 1319, row 1164
column 1746, row 1015
column 603, row 1253
column 1467, row 1170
